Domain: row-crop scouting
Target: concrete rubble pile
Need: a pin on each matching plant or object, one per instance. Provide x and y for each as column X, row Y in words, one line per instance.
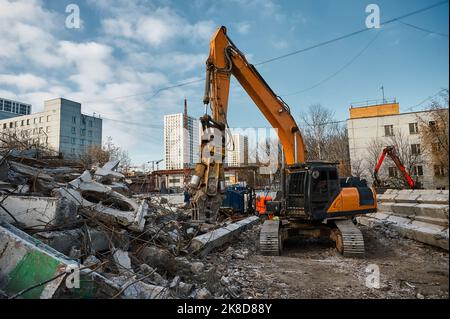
column 54, row 216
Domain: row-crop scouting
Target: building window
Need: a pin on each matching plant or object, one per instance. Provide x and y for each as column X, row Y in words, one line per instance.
column 389, row 130
column 35, row 120
column 432, row 124
column 90, row 133
column 81, row 142
column 439, row 170
column 40, row 119
column 35, row 131
column 83, row 132
column 417, row 170
column 90, row 123
column 73, row 140
column 392, row 171
column 74, row 119
column 72, row 151
column 413, row 128
column 49, row 118
column 28, row 122
column 415, row 149
column 47, row 129
column 22, row 123
column 74, row 130
column 4, row 126
column 11, row 125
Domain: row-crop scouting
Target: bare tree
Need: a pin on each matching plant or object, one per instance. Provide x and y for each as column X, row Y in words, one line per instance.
column 325, row 138
column 408, row 157
column 434, row 130
column 99, row 155
column 25, row 140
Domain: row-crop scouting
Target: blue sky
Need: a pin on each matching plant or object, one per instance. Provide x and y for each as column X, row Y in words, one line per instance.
column 125, row 48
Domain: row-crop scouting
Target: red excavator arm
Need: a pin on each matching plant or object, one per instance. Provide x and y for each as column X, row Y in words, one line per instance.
column 389, row 150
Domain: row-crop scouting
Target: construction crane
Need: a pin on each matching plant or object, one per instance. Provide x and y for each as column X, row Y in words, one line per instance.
column 313, row 201
column 155, row 162
column 390, row 151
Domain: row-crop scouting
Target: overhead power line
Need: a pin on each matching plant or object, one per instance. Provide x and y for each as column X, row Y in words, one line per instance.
column 154, row 93
column 350, row 62
column 345, row 36
column 422, row 29
column 411, row 108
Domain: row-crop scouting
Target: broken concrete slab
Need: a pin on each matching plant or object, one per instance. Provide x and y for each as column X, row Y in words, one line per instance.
column 132, row 288
column 108, row 172
column 204, row 243
column 26, row 262
column 64, row 240
column 40, row 212
column 101, row 202
column 404, row 209
column 432, row 210
column 123, row 261
column 422, row 231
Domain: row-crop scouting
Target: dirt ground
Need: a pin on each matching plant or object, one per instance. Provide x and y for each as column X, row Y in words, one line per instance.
column 314, row 269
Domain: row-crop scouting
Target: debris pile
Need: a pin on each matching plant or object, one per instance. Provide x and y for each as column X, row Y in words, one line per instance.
column 134, row 247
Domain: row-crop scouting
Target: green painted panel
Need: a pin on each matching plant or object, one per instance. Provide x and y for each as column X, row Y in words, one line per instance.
column 35, row 267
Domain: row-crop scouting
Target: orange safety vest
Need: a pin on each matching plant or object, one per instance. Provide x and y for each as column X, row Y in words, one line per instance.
column 261, row 203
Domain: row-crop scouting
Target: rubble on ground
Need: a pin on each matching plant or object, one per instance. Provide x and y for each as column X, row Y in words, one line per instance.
column 57, row 215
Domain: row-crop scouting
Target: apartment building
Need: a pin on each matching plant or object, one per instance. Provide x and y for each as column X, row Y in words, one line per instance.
column 61, row 127
column 182, row 135
column 378, row 124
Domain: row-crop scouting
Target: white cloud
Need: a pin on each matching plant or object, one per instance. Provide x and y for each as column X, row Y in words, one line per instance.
column 24, row 81
column 26, row 28
column 91, row 61
column 157, row 27
column 243, row 27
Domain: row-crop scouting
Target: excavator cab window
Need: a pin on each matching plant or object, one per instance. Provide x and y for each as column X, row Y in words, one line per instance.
column 296, row 195
column 324, row 184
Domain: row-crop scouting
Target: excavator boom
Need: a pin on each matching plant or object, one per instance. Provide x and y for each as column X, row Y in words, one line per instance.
column 225, row 60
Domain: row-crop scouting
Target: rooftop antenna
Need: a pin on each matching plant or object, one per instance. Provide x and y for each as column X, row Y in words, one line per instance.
column 382, row 90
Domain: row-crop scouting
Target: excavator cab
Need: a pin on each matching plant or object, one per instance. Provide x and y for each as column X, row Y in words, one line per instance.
column 315, row 192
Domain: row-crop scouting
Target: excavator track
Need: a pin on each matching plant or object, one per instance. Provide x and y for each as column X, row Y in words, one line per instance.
column 270, row 241
column 349, row 241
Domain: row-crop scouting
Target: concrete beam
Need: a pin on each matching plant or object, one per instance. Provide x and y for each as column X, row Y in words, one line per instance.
column 205, row 243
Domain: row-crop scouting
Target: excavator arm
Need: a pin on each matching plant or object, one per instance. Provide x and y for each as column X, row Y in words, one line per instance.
column 390, row 151
column 208, row 184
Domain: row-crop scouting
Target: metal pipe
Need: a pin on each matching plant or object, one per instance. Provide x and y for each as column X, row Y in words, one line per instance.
column 283, row 175
column 295, row 148
column 207, row 86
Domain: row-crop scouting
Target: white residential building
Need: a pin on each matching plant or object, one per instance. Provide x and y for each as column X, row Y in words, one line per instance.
column 61, row 127
column 383, row 124
column 236, row 153
column 181, row 140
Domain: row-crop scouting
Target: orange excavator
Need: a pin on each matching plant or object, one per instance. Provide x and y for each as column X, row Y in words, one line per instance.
column 313, row 200
column 390, row 151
